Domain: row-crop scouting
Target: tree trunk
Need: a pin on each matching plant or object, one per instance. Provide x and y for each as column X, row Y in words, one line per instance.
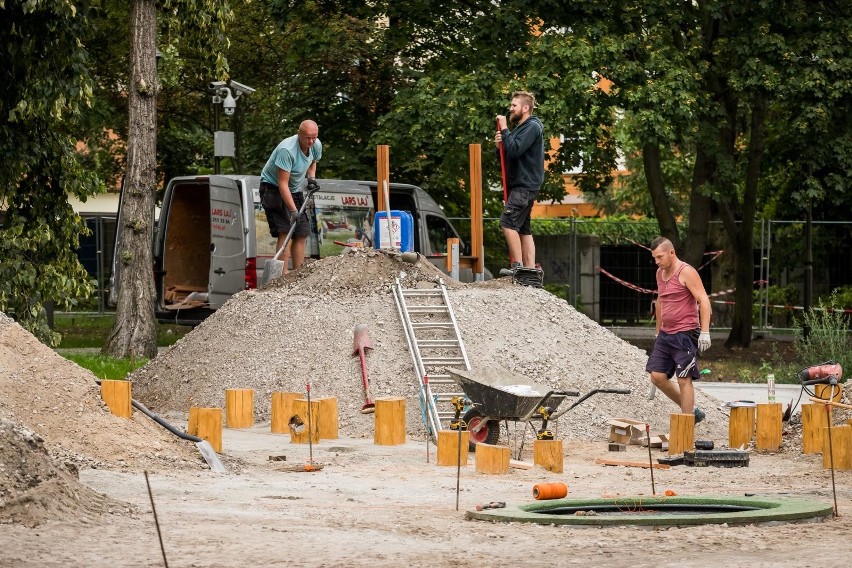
column 741, row 325
column 659, row 198
column 700, row 212
column 134, row 333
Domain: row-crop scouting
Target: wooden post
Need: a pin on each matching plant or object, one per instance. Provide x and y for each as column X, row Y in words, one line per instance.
column 448, row 447
column 824, row 391
column 239, row 408
column 390, row 421
column 192, row 423
column 548, row 454
column 208, row 425
column 492, row 459
column 382, row 176
column 299, row 434
column 452, row 259
column 282, row 410
column 476, row 236
column 814, row 420
column 681, row 433
column 741, row 426
column 841, row 447
column 768, row 427
column 327, row 417
column 116, row 395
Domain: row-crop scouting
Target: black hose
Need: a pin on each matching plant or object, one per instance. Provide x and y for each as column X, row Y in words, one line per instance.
column 156, row 418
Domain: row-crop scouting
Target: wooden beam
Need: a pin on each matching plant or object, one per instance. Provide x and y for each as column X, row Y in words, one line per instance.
column 602, row 461
column 382, row 174
column 476, row 235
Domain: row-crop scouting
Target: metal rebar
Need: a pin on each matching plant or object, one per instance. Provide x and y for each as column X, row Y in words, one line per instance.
column 650, row 459
column 156, row 522
column 831, row 456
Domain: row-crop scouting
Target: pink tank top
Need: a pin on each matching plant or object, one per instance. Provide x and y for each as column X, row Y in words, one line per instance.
column 679, row 308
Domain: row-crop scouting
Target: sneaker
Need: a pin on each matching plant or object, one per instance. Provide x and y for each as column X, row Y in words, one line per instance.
column 699, row 415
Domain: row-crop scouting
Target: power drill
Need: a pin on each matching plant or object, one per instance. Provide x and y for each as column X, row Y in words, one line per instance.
column 544, row 433
column 458, row 405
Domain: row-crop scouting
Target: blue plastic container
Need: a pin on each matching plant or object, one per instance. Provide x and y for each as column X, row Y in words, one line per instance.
column 403, row 231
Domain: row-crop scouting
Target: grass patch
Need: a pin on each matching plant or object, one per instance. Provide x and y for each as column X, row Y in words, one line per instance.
column 91, row 331
column 106, row 368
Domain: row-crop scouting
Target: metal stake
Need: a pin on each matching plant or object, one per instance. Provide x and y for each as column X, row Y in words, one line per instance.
column 310, row 432
column 831, row 456
column 426, row 390
column 458, row 467
column 650, row 460
column 156, row 522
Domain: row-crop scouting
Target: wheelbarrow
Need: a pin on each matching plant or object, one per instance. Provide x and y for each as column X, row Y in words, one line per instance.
column 494, row 398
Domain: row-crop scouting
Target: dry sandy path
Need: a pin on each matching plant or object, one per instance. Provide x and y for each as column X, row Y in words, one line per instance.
column 382, row 506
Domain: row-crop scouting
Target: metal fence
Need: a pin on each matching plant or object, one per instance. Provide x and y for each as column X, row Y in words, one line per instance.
column 612, row 278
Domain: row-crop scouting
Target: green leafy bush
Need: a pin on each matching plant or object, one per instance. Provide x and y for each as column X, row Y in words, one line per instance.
column 828, row 335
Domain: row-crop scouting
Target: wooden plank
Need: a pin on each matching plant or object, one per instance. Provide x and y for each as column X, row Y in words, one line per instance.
column 602, row 461
column 515, row 464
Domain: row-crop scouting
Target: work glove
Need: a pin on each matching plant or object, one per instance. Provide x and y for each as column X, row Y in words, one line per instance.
column 703, row 341
column 294, row 217
column 313, row 185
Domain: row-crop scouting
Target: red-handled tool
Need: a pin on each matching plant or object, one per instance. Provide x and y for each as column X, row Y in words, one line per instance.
column 503, row 166
column 360, row 344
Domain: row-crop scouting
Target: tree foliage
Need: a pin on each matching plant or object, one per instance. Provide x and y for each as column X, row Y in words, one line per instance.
column 45, row 89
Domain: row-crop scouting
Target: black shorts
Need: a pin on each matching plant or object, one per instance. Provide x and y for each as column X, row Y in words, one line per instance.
column 276, row 216
column 516, row 212
column 675, row 354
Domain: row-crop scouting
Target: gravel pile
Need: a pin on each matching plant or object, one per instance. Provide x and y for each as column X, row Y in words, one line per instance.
column 299, row 330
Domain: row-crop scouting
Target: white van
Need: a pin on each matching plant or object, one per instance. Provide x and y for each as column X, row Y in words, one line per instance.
column 212, row 239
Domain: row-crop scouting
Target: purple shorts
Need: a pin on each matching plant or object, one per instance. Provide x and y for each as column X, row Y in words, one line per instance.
column 675, row 354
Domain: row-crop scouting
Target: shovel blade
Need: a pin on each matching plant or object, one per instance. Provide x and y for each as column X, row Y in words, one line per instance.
column 361, row 340
column 271, row 270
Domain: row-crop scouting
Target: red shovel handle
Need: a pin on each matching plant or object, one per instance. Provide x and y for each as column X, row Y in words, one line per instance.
column 503, row 166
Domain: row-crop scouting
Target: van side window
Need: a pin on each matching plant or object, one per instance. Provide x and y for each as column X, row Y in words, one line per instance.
column 439, row 231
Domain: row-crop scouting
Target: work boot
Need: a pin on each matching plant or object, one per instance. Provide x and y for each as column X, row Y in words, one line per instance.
column 699, row 415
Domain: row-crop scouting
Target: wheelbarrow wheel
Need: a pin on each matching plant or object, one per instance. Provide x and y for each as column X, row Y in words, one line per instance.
column 488, row 434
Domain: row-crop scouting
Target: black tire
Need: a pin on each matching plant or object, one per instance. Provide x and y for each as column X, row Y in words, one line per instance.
column 488, row 434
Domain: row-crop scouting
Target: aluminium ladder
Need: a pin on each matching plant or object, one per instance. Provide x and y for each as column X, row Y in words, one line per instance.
column 434, row 342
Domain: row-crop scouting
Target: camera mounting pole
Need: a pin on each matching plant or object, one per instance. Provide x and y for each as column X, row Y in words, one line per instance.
column 226, row 95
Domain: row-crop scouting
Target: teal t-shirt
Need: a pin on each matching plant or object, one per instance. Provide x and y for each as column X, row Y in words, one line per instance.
column 290, row 158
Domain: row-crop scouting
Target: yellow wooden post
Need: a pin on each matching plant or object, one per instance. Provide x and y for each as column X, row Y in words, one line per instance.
column 209, row 426
column 116, row 395
column 448, row 447
column 239, row 408
column 389, row 421
column 548, row 454
column 282, row 410
column 741, row 426
column 492, row 459
column 681, row 433
column 327, row 417
column 382, row 176
column 841, row 447
column 476, row 235
column 814, row 420
column 768, row 427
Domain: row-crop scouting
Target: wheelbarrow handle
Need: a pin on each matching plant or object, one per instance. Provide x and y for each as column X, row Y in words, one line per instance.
column 587, row 395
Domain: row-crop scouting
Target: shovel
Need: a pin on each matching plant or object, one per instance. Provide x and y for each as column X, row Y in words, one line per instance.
column 359, row 345
column 274, row 267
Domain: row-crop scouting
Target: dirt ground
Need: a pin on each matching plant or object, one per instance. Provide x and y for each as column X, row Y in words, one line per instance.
column 73, row 492
column 384, row 505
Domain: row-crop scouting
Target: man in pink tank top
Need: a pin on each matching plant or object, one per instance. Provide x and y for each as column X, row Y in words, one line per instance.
column 683, row 327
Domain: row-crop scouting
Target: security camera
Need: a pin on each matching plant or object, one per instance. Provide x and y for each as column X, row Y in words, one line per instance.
column 214, row 85
column 229, row 103
column 240, row 88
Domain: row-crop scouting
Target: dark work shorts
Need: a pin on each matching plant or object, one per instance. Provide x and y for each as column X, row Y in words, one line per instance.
column 516, row 212
column 276, row 216
column 675, row 354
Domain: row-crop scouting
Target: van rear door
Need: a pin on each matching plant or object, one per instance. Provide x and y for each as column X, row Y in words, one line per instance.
column 227, row 241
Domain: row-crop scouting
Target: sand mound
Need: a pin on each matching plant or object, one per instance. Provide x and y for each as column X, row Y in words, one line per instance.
column 300, row 330
column 35, row 488
column 60, row 401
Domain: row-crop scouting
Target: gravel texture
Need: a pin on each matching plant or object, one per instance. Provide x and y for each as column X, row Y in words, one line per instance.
column 299, row 330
